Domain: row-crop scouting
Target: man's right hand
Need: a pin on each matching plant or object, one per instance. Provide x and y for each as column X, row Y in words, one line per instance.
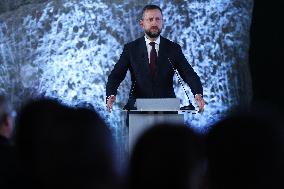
column 110, row 101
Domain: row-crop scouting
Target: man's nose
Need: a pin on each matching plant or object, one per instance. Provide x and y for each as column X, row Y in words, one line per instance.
column 154, row 23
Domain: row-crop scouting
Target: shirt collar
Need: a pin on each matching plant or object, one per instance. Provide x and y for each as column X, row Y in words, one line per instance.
column 148, row 41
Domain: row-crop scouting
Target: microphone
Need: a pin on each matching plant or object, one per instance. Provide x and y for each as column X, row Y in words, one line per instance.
column 189, row 106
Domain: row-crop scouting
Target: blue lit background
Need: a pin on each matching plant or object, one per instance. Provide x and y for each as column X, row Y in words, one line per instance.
column 66, row 49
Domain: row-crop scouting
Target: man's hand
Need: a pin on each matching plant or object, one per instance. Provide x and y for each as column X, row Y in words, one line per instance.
column 110, row 101
column 200, row 102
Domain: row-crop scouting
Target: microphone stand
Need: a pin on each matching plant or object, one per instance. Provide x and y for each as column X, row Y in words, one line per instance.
column 189, row 106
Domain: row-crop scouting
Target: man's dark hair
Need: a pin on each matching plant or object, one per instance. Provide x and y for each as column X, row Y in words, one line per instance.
column 151, row 7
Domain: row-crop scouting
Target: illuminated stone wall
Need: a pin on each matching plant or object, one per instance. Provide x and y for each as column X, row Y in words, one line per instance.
column 66, row 49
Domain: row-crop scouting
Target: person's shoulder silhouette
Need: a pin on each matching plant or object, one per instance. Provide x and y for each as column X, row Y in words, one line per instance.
column 246, row 150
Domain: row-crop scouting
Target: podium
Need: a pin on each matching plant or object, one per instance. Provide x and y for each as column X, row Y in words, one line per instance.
column 150, row 112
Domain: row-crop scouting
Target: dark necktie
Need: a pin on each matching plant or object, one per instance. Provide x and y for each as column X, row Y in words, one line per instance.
column 153, row 58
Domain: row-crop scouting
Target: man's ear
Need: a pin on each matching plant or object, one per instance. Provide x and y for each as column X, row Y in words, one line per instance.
column 141, row 23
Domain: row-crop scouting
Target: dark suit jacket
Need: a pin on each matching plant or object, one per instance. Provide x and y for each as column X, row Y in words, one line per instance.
column 135, row 59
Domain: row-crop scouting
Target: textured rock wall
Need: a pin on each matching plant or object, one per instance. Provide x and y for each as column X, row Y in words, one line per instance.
column 66, row 49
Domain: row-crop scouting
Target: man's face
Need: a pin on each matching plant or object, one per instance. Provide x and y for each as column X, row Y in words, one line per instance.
column 152, row 22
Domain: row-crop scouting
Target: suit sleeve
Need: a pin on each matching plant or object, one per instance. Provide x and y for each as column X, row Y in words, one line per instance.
column 187, row 73
column 118, row 73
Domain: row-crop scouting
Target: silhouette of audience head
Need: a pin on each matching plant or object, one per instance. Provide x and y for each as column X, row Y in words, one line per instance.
column 64, row 147
column 6, row 118
column 167, row 156
column 245, row 150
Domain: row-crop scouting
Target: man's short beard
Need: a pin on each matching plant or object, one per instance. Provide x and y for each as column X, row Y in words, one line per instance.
column 153, row 35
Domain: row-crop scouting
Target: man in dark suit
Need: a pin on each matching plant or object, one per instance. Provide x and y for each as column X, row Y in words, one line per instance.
column 151, row 60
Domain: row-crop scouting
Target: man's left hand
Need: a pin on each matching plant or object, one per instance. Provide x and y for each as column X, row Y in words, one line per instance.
column 200, row 102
